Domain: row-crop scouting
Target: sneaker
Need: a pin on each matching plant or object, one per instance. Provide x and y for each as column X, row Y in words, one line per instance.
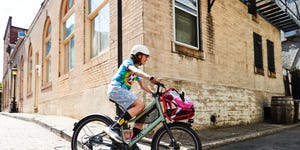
column 113, row 133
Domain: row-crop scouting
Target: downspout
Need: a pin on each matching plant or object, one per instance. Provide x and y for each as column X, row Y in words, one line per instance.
column 120, row 51
column 210, row 4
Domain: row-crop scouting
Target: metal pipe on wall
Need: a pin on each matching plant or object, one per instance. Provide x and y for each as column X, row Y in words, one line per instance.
column 120, row 46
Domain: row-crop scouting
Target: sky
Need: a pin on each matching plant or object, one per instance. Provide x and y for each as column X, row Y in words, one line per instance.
column 22, row 12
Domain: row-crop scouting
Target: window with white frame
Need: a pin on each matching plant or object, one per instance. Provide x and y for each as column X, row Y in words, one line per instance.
column 186, row 23
column 67, row 55
column 98, row 19
column 47, row 52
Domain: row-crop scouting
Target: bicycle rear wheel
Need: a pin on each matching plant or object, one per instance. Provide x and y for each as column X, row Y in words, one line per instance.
column 185, row 137
column 89, row 135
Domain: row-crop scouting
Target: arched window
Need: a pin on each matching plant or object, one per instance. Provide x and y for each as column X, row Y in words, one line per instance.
column 67, row 53
column 98, row 20
column 29, row 68
column 47, row 71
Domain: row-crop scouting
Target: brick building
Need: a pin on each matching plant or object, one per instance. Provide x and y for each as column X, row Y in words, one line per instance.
column 226, row 59
column 12, row 35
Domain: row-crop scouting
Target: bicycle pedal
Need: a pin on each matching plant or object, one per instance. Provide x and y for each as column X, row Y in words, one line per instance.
column 96, row 139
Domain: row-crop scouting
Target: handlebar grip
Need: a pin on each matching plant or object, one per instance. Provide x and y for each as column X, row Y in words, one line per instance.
column 158, row 87
column 160, row 84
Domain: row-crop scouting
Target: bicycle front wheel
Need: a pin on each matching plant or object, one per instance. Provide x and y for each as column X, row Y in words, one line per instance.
column 89, row 135
column 185, row 137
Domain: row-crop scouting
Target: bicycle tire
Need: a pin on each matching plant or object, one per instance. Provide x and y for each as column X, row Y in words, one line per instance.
column 86, row 129
column 186, row 138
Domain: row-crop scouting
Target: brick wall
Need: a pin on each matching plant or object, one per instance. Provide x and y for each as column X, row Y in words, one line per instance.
column 222, row 83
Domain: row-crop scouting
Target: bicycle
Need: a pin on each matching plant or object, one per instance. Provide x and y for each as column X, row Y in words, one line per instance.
column 88, row 132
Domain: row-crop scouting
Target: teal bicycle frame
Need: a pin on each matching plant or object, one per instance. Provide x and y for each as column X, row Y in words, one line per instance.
column 151, row 126
column 155, row 105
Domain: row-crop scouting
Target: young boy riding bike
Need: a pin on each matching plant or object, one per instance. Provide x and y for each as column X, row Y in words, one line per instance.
column 119, row 90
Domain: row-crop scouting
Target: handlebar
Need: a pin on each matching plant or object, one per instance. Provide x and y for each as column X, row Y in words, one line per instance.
column 159, row 85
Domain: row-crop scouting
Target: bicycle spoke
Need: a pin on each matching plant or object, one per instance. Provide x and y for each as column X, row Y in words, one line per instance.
column 185, row 138
column 90, row 135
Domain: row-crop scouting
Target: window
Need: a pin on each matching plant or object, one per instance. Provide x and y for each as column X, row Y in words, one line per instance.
column 46, row 77
column 70, row 54
column 258, row 57
column 29, row 68
column 271, row 61
column 251, row 4
column 98, row 19
column 67, row 54
column 186, row 23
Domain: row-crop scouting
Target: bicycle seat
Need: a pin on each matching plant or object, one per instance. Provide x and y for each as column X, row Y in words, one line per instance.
column 119, row 109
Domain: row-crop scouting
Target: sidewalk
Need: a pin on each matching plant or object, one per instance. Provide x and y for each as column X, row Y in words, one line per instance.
column 210, row 138
column 60, row 125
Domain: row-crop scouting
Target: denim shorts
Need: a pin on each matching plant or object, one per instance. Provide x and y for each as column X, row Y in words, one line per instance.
column 121, row 96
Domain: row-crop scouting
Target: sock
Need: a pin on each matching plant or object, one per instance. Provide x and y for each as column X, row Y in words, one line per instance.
column 126, row 116
column 135, row 131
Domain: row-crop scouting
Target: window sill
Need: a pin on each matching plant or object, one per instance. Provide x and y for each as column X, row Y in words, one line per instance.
column 272, row 74
column 64, row 77
column 46, row 86
column 184, row 50
column 94, row 61
column 29, row 94
column 259, row 71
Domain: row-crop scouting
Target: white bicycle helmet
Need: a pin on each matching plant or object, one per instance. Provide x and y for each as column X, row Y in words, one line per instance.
column 140, row 48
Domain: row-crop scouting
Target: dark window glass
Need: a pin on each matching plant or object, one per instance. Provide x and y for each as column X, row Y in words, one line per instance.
column 258, row 51
column 271, row 62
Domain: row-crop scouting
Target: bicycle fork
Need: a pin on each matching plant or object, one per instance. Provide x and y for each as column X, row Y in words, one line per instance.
column 173, row 141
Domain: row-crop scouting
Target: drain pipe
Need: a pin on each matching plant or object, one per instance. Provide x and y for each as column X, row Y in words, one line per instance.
column 120, row 46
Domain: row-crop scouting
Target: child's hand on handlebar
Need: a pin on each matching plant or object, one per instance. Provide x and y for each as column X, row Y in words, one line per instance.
column 154, row 80
column 159, row 86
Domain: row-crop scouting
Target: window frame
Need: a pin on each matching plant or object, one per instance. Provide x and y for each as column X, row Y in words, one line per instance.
column 91, row 15
column 258, row 54
column 197, row 14
column 67, row 12
column 271, row 59
column 185, row 49
column 46, row 56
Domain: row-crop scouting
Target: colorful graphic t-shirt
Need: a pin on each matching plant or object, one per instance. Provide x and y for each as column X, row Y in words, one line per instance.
column 124, row 77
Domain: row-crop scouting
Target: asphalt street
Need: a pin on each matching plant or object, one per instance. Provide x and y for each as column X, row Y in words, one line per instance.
column 17, row 134
column 285, row 140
